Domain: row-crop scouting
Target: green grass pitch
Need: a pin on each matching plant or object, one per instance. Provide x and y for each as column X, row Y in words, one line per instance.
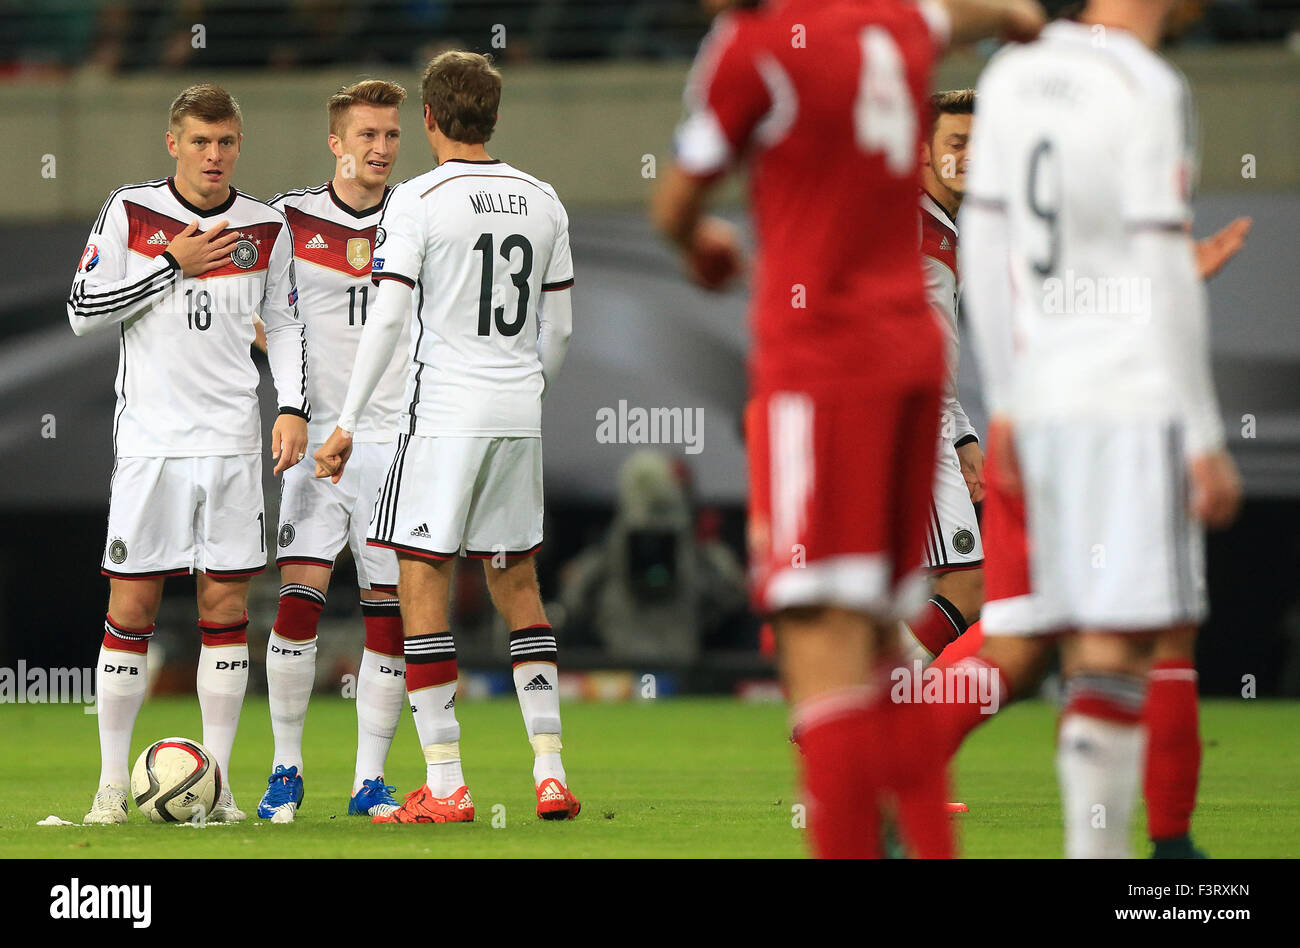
column 673, row 778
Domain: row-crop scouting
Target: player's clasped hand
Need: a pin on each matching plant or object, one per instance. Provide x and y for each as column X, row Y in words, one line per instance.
column 288, row 441
column 333, row 455
column 198, row 252
column 1216, row 489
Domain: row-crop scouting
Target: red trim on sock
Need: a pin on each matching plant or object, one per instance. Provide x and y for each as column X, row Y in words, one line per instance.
column 118, row 644
column 1092, row 705
column 429, row 674
column 217, row 635
column 296, row 619
column 1173, row 764
column 384, row 635
column 933, row 629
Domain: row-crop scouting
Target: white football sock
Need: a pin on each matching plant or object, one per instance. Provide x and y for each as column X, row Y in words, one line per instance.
column 536, row 686
column 221, row 682
column 381, row 691
column 290, row 675
column 120, row 684
column 1099, row 764
column 434, row 710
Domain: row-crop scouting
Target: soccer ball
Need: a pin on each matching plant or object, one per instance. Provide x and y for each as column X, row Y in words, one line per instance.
column 176, row 780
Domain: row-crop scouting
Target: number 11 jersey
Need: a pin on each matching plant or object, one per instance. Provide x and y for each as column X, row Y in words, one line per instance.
column 333, row 245
column 480, row 243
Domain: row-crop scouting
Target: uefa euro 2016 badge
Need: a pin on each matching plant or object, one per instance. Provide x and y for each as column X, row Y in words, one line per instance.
column 89, row 258
column 963, row 541
column 117, row 552
column 286, row 534
column 244, row 255
column 358, row 252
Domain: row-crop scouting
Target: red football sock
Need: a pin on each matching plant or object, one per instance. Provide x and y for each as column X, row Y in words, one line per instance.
column 918, row 779
column 383, row 620
column 1173, row 764
column 939, row 623
column 964, row 646
column 299, row 612
column 954, row 720
column 836, row 735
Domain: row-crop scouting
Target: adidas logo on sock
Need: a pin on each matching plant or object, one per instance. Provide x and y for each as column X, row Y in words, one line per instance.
column 450, row 704
column 538, row 684
column 317, row 243
column 421, row 531
column 158, row 238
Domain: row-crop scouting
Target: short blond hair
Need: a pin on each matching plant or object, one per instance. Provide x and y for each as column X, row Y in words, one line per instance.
column 205, row 102
column 365, row 92
column 463, row 91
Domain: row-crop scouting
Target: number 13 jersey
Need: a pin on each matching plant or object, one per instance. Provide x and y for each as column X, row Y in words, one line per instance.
column 480, row 243
column 333, row 245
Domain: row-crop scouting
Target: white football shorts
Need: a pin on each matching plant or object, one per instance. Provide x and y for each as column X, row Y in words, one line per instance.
column 1112, row 542
column 170, row 516
column 443, row 496
column 952, row 535
column 318, row 517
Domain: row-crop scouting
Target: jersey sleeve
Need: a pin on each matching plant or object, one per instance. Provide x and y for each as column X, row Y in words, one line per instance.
column 986, row 174
column 399, row 238
column 938, row 21
column 559, row 272
column 725, row 100
column 102, row 294
column 1159, row 160
column 286, row 338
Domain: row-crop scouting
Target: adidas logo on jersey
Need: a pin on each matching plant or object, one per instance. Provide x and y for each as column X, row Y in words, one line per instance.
column 421, row 531
column 158, row 238
column 538, row 684
column 944, row 245
column 317, row 243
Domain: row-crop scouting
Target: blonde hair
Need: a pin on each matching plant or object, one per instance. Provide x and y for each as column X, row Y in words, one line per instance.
column 365, row 92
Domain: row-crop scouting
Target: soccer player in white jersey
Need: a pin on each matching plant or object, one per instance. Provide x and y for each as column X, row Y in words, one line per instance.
column 1090, row 319
column 180, row 266
column 485, row 247
column 334, row 232
column 954, row 549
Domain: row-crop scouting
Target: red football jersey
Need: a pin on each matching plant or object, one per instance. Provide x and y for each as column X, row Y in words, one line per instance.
column 828, row 102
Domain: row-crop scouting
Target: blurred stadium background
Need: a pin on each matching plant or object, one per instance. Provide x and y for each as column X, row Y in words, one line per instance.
column 643, row 564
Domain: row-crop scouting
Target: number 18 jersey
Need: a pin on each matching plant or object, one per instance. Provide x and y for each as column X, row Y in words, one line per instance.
column 480, row 243
column 333, row 245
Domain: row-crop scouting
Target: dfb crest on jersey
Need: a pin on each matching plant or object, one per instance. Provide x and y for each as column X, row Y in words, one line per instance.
column 963, row 541
column 286, row 534
column 358, row 252
column 380, row 236
column 117, row 552
column 244, row 255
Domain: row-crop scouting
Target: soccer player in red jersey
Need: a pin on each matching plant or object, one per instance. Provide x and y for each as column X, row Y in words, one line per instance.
column 828, row 103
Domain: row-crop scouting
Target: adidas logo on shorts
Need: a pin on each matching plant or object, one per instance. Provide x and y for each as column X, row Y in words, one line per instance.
column 317, row 243
column 159, row 238
column 421, row 531
column 538, row 684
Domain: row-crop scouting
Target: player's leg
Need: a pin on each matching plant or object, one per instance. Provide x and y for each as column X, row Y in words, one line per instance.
column 534, row 658
column 1173, row 762
column 1100, row 740
column 231, row 549
column 222, row 677
column 381, row 678
column 120, row 688
column 150, row 536
column 290, row 677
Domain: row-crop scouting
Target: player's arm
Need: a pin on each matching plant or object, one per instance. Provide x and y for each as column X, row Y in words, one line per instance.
column 971, row 20
column 1213, row 253
column 555, row 307
column 286, row 352
column 394, row 276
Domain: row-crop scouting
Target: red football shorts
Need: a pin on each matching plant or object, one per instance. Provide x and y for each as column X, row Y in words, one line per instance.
column 840, row 483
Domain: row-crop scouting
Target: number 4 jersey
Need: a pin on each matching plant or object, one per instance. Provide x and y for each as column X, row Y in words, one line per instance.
column 186, row 381
column 333, row 245
column 480, row 243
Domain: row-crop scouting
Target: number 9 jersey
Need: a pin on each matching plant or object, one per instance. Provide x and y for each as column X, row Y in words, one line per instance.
column 480, row 243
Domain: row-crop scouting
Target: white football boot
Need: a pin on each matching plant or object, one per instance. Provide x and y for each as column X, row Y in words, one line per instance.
column 109, row 806
column 226, row 811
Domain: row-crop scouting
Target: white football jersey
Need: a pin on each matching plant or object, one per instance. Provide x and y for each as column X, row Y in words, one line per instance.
column 186, row 380
column 333, row 245
column 479, row 242
column 1085, row 138
column 942, row 290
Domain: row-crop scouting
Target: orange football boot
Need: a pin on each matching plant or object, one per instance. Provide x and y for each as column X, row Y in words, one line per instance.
column 422, row 806
column 555, row 801
column 956, row 808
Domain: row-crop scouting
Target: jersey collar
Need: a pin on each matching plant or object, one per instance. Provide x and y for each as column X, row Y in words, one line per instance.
column 348, row 209
column 938, row 211
column 210, row 212
column 472, row 161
